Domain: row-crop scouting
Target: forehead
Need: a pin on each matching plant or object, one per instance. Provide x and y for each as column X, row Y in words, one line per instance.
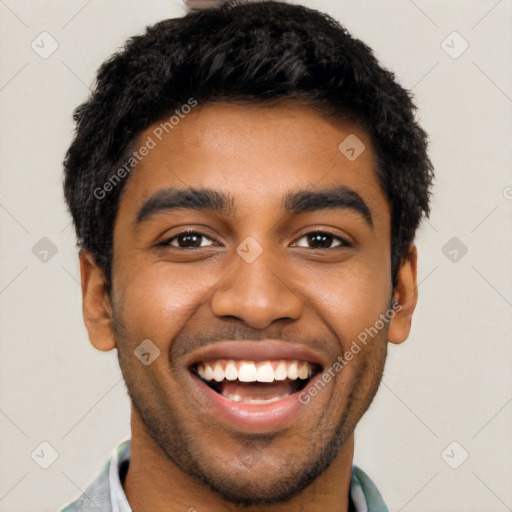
column 254, row 154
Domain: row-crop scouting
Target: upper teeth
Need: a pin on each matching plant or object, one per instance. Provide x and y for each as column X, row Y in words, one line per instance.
column 251, row 371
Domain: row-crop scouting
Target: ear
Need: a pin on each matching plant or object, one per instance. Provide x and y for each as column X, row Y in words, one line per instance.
column 405, row 294
column 96, row 306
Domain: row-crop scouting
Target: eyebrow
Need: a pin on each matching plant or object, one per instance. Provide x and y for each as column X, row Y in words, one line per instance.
column 333, row 198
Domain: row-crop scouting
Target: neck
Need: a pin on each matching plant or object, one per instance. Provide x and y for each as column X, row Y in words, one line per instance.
column 154, row 483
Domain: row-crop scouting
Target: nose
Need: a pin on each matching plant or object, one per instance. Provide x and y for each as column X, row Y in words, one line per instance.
column 258, row 293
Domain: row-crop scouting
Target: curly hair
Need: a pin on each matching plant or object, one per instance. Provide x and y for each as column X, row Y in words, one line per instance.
column 256, row 53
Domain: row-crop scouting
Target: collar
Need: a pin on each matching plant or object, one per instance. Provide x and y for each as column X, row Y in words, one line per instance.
column 119, row 462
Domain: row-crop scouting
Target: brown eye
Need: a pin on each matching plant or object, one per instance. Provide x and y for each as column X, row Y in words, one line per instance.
column 188, row 240
column 321, row 240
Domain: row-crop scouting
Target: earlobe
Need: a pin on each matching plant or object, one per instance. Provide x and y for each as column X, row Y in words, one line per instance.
column 406, row 295
column 96, row 306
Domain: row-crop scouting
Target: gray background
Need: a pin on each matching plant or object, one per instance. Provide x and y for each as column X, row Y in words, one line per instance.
column 450, row 382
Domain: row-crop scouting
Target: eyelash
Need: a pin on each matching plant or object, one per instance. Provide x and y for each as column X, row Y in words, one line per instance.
column 167, row 243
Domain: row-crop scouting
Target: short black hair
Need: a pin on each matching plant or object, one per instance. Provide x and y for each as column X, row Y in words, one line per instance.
column 259, row 52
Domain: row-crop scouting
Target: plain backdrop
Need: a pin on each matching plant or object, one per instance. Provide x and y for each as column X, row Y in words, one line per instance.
column 438, row 436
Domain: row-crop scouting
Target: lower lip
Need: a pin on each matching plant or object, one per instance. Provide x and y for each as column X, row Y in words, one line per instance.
column 250, row 417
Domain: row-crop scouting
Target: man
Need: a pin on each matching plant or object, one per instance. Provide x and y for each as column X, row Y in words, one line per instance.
column 246, row 184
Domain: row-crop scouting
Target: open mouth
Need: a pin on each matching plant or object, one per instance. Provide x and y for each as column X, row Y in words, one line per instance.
column 256, row 382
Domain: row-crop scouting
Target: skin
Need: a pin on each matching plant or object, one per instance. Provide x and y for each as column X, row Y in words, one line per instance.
column 183, row 457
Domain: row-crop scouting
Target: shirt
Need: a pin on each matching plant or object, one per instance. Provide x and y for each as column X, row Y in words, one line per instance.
column 106, row 493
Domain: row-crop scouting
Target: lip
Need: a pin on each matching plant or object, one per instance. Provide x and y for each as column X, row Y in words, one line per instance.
column 247, row 417
column 255, row 418
column 255, row 351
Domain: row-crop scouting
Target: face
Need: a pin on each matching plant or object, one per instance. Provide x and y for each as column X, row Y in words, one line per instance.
column 252, row 253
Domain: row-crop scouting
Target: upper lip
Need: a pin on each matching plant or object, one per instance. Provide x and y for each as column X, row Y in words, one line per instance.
column 265, row 350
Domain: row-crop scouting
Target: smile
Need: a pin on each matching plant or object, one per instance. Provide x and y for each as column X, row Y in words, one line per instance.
column 256, row 382
column 253, row 385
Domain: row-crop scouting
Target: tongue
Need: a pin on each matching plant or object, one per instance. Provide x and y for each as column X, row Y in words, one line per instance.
column 258, row 390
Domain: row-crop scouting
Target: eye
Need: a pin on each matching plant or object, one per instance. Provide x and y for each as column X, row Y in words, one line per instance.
column 187, row 240
column 321, row 240
column 195, row 239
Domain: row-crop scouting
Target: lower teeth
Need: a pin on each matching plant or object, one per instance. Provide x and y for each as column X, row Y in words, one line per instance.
column 256, row 392
column 238, row 398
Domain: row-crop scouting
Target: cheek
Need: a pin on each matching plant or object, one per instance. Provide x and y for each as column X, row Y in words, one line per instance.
column 158, row 299
column 352, row 297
